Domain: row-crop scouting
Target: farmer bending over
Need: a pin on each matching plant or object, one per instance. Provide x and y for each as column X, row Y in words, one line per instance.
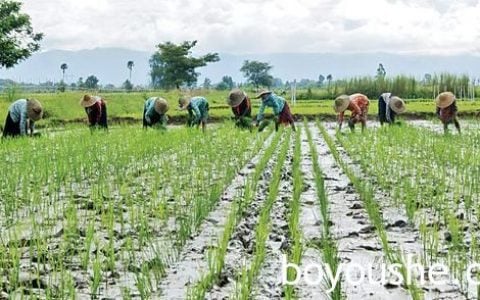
column 21, row 117
column 96, row 109
column 280, row 107
column 241, row 108
column 357, row 104
column 388, row 107
column 447, row 110
column 154, row 112
column 197, row 110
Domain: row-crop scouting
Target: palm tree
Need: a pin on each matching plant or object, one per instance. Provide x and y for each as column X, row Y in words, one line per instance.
column 329, row 80
column 63, row 67
column 130, row 65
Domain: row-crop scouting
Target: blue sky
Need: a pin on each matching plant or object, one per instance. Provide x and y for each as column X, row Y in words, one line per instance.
column 262, row 26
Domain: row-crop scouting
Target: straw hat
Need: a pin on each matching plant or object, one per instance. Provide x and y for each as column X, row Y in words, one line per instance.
column 341, row 103
column 183, row 102
column 88, row 101
column 34, row 110
column 263, row 92
column 236, row 97
column 161, row 105
column 397, row 105
column 445, row 99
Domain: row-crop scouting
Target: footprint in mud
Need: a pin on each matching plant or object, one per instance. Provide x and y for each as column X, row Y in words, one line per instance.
column 367, row 229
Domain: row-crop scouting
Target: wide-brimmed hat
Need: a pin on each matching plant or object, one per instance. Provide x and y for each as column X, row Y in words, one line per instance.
column 397, row 105
column 236, row 97
column 445, row 99
column 34, row 109
column 161, row 105
column 88, row 101
column 183, row 102
column 341, row 103
column 263, row 92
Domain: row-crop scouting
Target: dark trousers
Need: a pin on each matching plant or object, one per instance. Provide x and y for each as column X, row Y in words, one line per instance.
column 11, row 128
column 382, row 112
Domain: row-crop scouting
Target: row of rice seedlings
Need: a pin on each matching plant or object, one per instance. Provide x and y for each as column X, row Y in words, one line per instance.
column 295, row 253
column 216, row 255
column 248, row 273
column 430, row 181
column 366, row 192
column 104, row 203
column 328, row 244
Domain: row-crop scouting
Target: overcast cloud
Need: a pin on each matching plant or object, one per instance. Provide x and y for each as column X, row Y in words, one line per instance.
column 262, row 26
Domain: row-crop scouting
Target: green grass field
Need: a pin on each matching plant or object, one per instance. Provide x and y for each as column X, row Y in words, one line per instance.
column 64, row 107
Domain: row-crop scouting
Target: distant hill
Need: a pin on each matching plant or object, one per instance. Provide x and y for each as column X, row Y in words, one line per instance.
column 110, row 65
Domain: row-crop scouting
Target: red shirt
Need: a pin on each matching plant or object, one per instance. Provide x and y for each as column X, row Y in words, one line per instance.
column 358, row 106
column 94, row 112
column 448, row 113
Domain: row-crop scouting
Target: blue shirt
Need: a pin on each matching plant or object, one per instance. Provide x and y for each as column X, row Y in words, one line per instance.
column 18, row 113
column 149, row 108
column 273, row 101
column 199, row 106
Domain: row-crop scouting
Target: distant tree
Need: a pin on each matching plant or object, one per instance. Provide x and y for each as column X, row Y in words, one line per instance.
column 63, row 67
column 427, row 78
column 381, row 72
column 109, row 86
column 91, row 82
column 321, row 79
column 173, row 65
column 257, row 73
column 228, row 80
column 80, row 82
column 130, row 65
column 329, row 80
column 17, row 39
column 61, row 86
column 207, row 83
column 127, row 85
column 277, row 82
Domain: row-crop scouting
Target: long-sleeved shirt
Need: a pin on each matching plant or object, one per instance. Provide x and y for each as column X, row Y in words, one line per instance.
column 151, row 116
column 244, row 109
column 386, row 98
column 199, row 107
column 275, row 102
column 358, row 106
column 448, row 113
column 18, row 113
column 96, row 111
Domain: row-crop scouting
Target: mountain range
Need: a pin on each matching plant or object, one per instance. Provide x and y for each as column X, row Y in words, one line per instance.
column 110, row 65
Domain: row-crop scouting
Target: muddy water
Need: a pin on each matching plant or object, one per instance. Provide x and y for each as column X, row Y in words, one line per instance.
column 357, row 241
column 268, row 284
column 192, row 261
column 311, row 225
column 401, row 235
column 242, row 243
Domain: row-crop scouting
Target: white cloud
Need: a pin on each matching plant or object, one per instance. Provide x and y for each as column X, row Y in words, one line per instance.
column 262, row 26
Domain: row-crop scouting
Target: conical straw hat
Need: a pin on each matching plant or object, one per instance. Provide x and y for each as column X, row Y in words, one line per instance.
column 397, row 105
column 445, row 99
column 341, row 103
column 161, row 106
column 34, row 109
column 236, row 97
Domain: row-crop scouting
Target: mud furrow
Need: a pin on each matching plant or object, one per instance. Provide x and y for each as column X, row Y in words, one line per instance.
column 357, row 241
column 311, row 225
column 401, row 236
column 192, row 261
column 242, row 243
column 268, row 284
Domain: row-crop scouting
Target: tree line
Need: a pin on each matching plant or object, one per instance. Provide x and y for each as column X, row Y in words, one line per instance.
column 174, row 66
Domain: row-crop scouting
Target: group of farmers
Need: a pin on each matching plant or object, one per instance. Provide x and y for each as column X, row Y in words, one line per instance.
column 23, row 113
